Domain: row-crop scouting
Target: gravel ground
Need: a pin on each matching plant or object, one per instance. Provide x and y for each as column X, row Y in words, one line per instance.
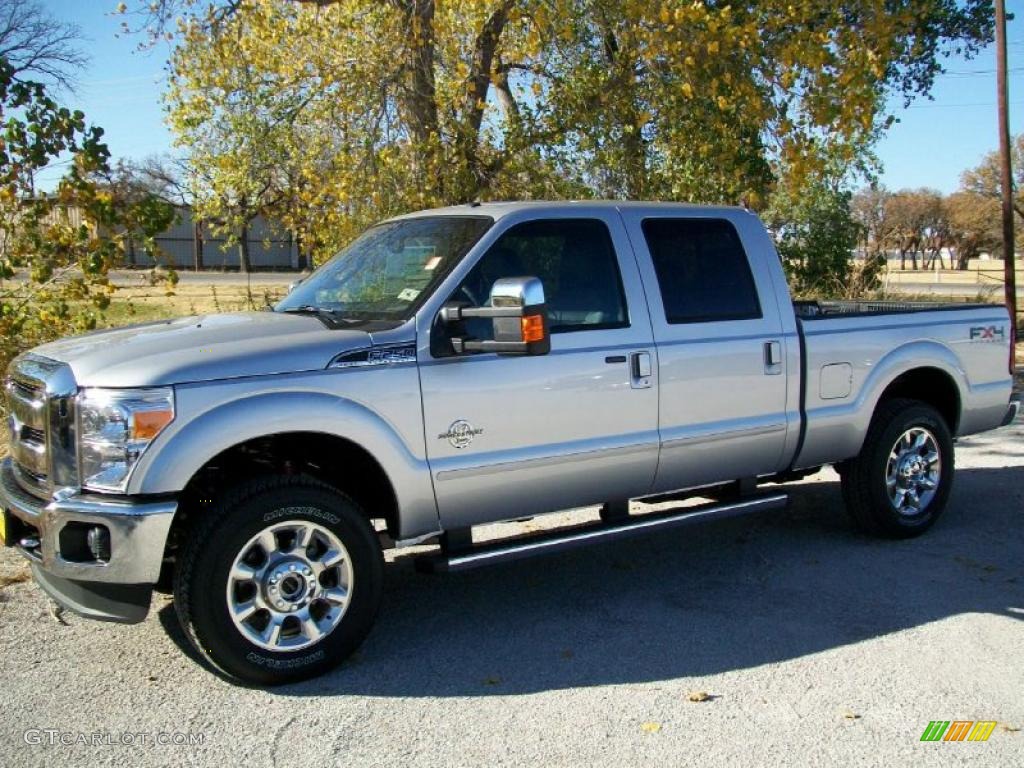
column 813, row 644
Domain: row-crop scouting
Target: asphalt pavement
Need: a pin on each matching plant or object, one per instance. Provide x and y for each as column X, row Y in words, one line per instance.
column 781, row 639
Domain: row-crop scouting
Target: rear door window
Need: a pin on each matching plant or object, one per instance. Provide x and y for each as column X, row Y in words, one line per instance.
column 702, row 270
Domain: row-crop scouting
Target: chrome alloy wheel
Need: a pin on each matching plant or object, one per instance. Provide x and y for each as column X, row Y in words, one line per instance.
column 913, row 471
column 289, row 586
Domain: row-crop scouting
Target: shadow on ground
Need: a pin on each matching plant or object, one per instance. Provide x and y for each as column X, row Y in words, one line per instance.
column 704, row 600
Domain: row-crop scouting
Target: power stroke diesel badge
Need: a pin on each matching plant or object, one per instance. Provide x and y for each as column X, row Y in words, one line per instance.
column 460, row 433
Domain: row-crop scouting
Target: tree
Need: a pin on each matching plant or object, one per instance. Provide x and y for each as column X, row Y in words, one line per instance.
column 164, row 175
column 973, row 225
column 915, row 219
column 869, row 207
column 816, row 233
column 55, row 250
column 39, row 46
column 338, row 112
column 985, row 178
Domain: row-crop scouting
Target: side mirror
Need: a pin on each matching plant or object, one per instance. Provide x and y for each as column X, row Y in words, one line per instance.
column 295, row 284
column 519, row 314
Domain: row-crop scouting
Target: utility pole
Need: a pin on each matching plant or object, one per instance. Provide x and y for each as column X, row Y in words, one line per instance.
column 1009, row 273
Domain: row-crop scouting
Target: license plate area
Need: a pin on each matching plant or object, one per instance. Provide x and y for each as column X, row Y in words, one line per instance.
column 11, row 529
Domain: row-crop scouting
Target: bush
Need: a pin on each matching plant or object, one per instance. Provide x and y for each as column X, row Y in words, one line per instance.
column 816, row 235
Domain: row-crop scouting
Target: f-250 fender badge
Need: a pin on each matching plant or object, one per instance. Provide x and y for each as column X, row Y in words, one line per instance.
column 460, row 434
column 988, row 333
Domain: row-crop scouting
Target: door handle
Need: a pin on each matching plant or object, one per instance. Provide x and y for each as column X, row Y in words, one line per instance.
column 640, row 370
column 772, row 358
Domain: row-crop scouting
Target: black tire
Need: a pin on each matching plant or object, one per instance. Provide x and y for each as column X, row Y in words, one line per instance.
column 864, row 478
column 201, row 578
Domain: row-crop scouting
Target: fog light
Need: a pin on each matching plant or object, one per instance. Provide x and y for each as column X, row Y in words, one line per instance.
column 98, row 539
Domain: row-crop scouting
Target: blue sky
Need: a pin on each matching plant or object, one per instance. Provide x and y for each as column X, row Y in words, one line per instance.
column 931, row 145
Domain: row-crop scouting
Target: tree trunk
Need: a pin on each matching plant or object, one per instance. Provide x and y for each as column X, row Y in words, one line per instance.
column 482, row 67
column 419, row 98
column 197, row 244
column 243, row 250
column 634, row 160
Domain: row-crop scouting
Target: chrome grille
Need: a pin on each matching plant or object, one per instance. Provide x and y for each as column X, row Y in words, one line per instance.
column 26, row 421
column 40, row 420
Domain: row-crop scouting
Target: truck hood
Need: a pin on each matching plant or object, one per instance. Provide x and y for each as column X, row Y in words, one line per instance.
column 203, row 348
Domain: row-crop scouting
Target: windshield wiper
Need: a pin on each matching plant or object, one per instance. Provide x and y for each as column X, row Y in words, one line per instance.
column 309, row 309
column 334, row 316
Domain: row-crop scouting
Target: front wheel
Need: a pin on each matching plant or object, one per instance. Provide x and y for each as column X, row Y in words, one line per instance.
column 900, row 483
column 281, row 583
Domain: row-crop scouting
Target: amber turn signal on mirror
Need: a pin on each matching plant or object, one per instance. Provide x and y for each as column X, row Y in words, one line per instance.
column 532, row 327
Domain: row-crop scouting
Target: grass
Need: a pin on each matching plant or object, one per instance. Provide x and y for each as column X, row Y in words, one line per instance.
column 140, row 304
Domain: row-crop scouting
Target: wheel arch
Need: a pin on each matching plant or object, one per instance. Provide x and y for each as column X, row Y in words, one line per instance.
column 333, row 436
column 922, row 370
column 930, row 385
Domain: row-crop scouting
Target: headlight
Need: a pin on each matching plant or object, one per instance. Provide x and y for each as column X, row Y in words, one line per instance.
column 115, row 427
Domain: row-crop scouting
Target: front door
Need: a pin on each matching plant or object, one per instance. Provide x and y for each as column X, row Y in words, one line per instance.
column 510, row 437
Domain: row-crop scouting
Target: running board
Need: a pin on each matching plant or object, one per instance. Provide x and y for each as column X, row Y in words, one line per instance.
column 562, row 539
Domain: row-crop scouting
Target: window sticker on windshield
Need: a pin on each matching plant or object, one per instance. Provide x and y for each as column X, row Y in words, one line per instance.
column 408, row 294
column 431, row 264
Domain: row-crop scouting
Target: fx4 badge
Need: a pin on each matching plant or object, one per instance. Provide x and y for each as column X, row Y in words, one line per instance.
column 460, row 434
column 988, row 333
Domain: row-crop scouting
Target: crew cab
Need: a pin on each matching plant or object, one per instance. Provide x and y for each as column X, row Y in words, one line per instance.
column 463, row 366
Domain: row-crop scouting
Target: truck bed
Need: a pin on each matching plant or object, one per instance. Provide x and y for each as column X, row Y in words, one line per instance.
column 852, row 350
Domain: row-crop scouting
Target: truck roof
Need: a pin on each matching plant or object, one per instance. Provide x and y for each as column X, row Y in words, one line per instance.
column 504, row 208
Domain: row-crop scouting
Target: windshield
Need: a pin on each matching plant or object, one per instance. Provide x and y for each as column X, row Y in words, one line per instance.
column 388, row 270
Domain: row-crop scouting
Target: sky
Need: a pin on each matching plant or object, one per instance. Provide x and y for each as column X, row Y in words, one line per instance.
column 931, row 145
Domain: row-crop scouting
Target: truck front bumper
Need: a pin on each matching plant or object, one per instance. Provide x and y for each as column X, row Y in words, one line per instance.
column 55, row 537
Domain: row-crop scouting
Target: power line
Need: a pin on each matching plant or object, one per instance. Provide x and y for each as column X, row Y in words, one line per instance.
column 955, row 106
column 976, row 72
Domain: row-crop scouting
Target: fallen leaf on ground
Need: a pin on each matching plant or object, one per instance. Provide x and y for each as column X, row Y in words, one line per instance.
column 493, row 680
column 18, row 577
column 698, row 695
column 850, row 715
column 57, row 612
column 650, row 727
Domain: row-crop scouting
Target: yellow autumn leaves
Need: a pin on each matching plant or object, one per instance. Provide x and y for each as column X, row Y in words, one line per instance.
column 328, row 116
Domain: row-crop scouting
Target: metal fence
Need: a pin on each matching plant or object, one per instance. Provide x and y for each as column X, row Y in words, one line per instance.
column 188, row 244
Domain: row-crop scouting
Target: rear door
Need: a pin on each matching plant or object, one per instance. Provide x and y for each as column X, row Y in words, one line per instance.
column 515, row 436
column 722, row 349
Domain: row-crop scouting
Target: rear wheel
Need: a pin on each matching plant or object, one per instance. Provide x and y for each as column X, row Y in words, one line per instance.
column 281, row 583
column 900, row 483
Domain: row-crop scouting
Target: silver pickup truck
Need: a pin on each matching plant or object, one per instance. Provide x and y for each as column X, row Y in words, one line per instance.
column 464, row 366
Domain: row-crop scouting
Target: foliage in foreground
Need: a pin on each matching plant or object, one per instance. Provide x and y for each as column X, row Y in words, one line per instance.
column 55, row 249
